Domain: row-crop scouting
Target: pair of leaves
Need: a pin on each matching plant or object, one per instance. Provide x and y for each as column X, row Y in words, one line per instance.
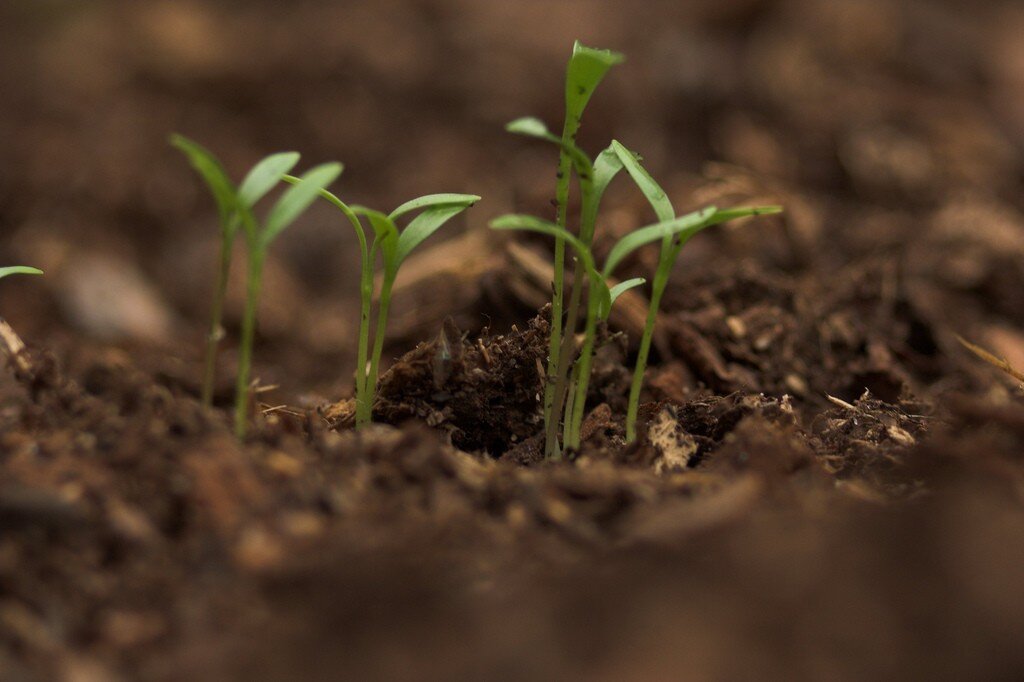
column 395, row 245
column 235, row 205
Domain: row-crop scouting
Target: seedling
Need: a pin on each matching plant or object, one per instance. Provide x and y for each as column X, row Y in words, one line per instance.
column 235, row 207
column 19, row 270
column 586, row 69
column 394, row 246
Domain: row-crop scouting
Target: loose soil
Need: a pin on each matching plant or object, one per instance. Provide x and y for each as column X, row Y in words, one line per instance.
column 827, row 486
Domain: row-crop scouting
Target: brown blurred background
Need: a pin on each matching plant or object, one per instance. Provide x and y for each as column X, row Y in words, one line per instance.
column 878, row 122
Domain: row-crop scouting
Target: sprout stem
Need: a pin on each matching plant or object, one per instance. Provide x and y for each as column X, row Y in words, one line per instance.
column 216, row 319
column 364, row 397
column 556, row 369
column 657, row 290
column 378, row 343
column 248, row 332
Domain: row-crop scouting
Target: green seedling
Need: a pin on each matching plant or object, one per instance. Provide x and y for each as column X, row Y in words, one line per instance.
column 394, row 246
column 671, row 246
column 600, row 295
column 19, row 270
column 235, row 207
column 586, row 69
column 567, row 387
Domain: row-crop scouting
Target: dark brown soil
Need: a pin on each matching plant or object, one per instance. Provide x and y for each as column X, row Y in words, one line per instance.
column 828, row 485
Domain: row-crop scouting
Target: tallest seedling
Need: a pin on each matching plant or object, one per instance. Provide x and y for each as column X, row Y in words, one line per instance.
column 587, row 68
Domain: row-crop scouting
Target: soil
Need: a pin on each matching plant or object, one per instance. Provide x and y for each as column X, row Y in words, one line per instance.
column 828, row 484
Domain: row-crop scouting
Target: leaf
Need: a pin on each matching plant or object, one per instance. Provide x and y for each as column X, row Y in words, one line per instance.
column 297, row 199
column 613, row 294
column 623, row 287
column 742, row 212
column 534, row 127
column 655, row 195
column 426, row 224
column 528, row 223
column 18, row 269
column 464, row 200
column 386, row 237
column 691, row 222
column 587, row 68
column 343, row 207
column 212, row 173
column 264, row 176
column 606, row 166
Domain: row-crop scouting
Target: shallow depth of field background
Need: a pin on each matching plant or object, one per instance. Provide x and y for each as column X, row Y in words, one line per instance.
column 871, row 117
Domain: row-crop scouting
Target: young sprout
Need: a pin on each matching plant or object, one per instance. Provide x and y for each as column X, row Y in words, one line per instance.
column 600, row 295
column 19, row 270
column 235, row 207
column 586, row 69
column 671, row 246
column 394, row 246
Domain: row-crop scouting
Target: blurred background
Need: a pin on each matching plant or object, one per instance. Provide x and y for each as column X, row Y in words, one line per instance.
column 890, row 128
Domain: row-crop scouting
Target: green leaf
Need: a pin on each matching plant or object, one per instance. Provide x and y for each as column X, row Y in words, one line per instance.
column 586, row 70
column 343, row 207
column 655, row 195
column 742, row 212
column 606, row 166
column 19, row 270
column 213, row 175
column 464, row 200
column 529, row 126
column 615, row 292
column 684, row 225
column 426, row 224
column 297, row 199
column 623, row 287
column 528, row 223
column 386, row 237
column 264, row 176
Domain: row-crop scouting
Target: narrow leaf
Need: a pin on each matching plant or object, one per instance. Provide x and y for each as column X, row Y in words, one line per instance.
column 264, row 176
column 586, row 70
column 742, row 212
column 424, row 225
column 535, row 128
column 212, row 173
column 606, row 166
column 655, row 195
column 615, row 292
column 623, row 287
column 343, row 207
column 386, row 239
column 691, row 222
column 19, row 270
column 463, row 200
column 297, row 199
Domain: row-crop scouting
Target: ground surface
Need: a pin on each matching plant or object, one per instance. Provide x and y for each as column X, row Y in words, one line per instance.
column 830, row 486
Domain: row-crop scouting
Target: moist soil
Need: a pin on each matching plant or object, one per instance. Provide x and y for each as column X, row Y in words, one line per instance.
column 827, row 485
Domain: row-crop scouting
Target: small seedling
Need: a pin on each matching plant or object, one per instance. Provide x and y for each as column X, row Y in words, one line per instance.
column 235, row 207
column 394, row 246
column 19, row 270
column 569, row 388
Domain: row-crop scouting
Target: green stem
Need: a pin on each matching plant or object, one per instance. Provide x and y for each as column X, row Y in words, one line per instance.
column 364, row 399
column 657, row 290
column 248, row 332
column 583, row 379
column 563, row 388
column 551, row 413
column 216, row 316
column 378, row 342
